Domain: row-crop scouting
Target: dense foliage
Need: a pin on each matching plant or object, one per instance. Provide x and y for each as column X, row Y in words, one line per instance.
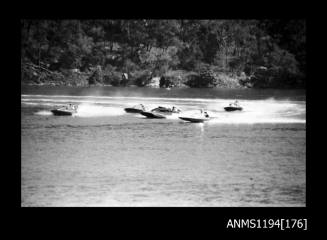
column 198, row 53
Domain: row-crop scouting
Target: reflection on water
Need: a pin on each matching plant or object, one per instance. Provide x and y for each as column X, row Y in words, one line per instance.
column 106, row 157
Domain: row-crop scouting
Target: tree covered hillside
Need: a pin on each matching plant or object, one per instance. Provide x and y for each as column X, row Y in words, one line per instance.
column 194, row 53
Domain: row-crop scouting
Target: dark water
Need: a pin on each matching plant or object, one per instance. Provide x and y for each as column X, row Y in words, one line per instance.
column 173, row 93
column 103, row 156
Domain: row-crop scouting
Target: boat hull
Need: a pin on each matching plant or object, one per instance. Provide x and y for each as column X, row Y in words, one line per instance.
column 58, row 112
column 133, row 110
column 230, row 109
column 165, row 110
column 194, row 120
column 152, row 115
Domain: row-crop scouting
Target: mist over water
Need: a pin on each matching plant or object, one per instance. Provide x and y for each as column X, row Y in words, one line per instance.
column 89, row 110
column 103, row 156
column 44, row 113
column 254, row 111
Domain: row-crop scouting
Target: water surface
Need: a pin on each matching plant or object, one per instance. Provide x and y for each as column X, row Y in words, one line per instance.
column 103, row 156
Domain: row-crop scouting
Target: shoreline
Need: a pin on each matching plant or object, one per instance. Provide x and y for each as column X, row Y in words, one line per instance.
column 206, row 78
column 23, row 84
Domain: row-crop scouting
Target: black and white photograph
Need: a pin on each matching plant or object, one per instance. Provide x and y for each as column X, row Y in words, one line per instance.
column 163, row 112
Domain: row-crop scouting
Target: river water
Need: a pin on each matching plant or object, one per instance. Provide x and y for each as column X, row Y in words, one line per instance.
column 103, row 156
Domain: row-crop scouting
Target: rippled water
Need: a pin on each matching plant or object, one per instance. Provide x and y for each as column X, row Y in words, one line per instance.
column 103, row 156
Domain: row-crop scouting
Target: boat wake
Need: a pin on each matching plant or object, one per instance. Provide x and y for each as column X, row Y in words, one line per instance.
column 254, row 111
column 89, row 110
column 43, row 113
column 269, row 111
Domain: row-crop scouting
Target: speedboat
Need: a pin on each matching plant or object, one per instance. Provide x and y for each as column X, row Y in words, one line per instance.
column 160, row 112
column 194, row 119
column 233, row 107
column 197, row 119
column 65, row 111
column 153, row 115
column 136, row 109
column 166, row 110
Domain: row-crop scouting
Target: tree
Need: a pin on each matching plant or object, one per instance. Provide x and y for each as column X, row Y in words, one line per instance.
column 157, row 45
